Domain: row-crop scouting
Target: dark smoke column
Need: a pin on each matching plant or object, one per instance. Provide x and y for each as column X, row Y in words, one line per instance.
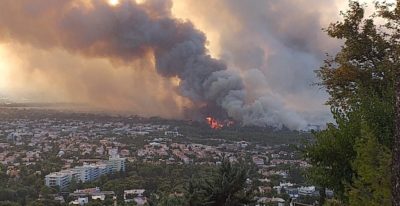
column 131, row 31
column 126, row 32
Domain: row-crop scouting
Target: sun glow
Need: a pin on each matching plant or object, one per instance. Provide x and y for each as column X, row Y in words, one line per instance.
column 113, row 2
column 4, row 68
column 140, row 1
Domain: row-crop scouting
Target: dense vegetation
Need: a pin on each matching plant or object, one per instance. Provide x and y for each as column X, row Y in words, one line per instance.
column 166, row 185
column 353, row 156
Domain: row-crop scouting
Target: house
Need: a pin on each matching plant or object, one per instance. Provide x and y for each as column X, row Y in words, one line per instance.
column 274, row 200
column 80, row 201
column 264, row 189
column 135, row 195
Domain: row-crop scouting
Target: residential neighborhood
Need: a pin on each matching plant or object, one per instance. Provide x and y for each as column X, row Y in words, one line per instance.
column 89, row 147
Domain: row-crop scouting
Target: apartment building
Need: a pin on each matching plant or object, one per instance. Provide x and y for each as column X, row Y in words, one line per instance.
column 116, row 163
column 86, row 172
column 60, row 179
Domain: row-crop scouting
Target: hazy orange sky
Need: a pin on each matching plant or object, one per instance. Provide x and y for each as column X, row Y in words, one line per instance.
column 274, row 46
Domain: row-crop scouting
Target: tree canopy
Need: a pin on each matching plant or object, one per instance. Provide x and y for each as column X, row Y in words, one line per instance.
column 353, row 156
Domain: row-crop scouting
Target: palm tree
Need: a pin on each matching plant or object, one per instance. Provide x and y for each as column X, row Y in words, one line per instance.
column 227, row 187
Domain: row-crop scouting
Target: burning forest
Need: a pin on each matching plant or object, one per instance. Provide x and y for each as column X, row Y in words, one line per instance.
column 124, row 32
column 216, row 124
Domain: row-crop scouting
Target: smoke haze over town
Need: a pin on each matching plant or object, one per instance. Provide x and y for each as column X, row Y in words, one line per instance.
column 249, row 61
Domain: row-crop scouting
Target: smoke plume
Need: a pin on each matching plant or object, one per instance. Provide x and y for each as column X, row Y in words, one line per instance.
column 129, row 33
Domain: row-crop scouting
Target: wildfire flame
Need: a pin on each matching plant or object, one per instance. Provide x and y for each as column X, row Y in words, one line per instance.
column 214, row 124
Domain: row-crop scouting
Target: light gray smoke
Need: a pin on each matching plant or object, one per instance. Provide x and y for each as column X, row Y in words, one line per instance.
column 130, row 31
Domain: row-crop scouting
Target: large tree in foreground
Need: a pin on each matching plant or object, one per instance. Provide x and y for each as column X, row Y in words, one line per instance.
column 353, row 156
column 226, row 187
column 391, row 13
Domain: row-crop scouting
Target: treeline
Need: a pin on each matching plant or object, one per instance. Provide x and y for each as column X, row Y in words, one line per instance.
column 202, row 133
column 178, row 185
column 182, row 184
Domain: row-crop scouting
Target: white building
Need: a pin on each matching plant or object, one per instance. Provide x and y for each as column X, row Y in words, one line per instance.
column 80, row 201
column 60, row 179
column 135, row 196
column 307, row 190
column 117, row 164
column 112, row 152
column 86, row 172
column 258, row 160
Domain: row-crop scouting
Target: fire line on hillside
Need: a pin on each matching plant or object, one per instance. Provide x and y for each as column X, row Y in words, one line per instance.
column 215, row 124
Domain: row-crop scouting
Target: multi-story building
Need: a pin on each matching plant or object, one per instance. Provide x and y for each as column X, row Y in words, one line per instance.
column 104, row 168
column 60, row 179
column 117, row 164
column 86, row 172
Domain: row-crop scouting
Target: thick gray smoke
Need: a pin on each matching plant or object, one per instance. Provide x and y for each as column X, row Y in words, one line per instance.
column 131, row 31
column 283, row 40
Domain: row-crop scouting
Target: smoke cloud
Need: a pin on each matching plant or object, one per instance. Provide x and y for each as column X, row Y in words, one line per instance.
column 275, row 46
column 152, row 47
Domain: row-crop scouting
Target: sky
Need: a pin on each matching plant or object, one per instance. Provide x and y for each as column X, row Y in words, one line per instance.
column 260, row 56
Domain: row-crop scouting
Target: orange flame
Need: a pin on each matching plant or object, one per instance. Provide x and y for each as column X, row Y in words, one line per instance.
column 214, row 124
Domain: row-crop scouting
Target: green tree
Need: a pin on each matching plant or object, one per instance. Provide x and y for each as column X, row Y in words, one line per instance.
column 8, row 203
column 171, row 200
column 45, row 203
column 333, row 153
column 371, row 186
column 226, row 187
column 391, row 13
column 360, row 80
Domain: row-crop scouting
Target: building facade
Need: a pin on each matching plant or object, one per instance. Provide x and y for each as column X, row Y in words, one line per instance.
column 59, row 179
column 85, row 173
